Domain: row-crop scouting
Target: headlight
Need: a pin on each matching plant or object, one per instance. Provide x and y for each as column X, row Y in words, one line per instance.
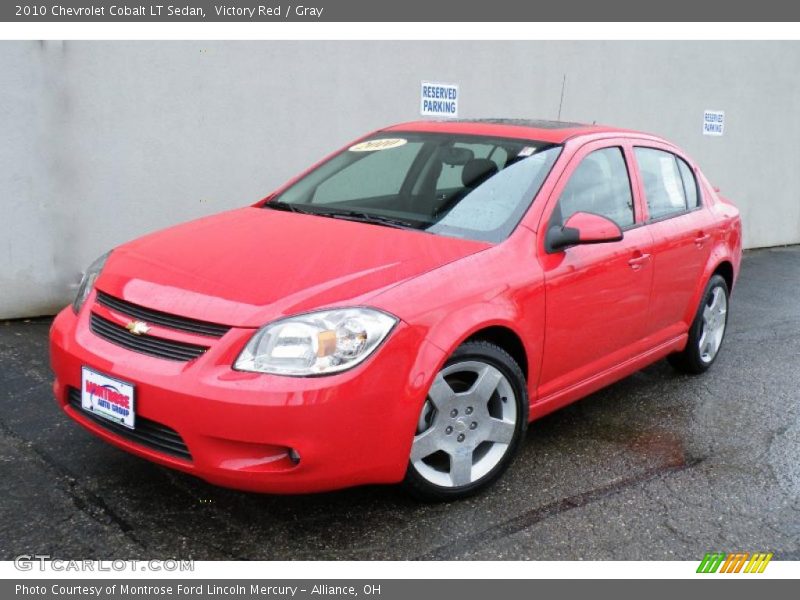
column 316, row 343
column 87, row 283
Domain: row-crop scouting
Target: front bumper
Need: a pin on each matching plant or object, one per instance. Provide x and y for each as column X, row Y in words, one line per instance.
column 350, row 428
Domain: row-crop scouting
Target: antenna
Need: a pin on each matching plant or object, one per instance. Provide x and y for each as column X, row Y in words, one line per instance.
column 561, row 102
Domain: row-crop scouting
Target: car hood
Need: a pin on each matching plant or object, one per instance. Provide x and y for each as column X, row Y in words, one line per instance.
column 246, row 267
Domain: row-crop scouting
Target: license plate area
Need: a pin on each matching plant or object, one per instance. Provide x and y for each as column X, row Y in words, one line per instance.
column 108, row 397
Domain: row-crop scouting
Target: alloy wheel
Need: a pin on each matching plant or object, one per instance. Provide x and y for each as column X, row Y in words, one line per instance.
column 466, row 425
column 713, row 329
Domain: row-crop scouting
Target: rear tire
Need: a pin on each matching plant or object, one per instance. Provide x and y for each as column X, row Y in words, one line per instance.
column 707, row 330
column 470, row 426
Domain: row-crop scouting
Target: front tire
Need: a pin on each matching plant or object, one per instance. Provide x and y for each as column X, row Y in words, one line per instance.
column 707, row 330
column 471, row 424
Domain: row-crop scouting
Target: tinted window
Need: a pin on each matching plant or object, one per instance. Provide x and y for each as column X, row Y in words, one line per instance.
column 501, row 199
column 469, row 186
column 599, row 185
column 689, row 184
column 377, row 174
column 451, row 175
column 663, row 185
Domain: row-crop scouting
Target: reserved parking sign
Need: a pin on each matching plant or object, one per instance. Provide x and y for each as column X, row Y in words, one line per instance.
column 438, row 100
column 714, row 122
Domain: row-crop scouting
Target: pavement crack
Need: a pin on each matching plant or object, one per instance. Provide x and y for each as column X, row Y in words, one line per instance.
column 464, row 544
column 83, row 498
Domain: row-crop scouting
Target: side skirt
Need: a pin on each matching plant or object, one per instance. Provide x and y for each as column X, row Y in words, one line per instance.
column 558, row 399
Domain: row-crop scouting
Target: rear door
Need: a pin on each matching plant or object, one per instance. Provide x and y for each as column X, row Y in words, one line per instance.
column 681, row 228
column 597, row 296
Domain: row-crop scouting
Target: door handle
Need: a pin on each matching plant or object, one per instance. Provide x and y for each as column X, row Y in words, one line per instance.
column 638, row 261
column 701, row 239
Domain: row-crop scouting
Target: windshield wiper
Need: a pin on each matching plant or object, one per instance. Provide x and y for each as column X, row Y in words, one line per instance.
column 287, row 206
column 350, row 215
column 362, row 217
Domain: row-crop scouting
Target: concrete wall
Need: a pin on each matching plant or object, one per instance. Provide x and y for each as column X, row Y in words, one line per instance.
column 102, row 142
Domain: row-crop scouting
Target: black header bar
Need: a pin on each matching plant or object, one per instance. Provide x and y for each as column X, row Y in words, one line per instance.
column 398, row 10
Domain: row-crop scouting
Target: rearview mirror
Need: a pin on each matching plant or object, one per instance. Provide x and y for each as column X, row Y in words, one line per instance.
column 455, row 157
column 582, row 228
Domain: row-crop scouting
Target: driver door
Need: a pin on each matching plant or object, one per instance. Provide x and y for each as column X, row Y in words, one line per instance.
column 597, row 296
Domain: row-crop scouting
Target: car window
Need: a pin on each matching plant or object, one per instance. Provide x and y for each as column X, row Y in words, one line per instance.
column 459, row 185
column 689, row 184
column 663, row 185
column 600, row 185
column 451, row 175
column 374, row 175
column 497, row 200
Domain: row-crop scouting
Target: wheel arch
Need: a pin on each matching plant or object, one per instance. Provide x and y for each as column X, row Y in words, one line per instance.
column 506, row 338
column 512, row 322
column 502, row 331
column 725, row 269
column 721, row 263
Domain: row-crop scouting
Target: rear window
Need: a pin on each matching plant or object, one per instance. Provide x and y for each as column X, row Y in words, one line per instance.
column 689, row 184
column 670, row 187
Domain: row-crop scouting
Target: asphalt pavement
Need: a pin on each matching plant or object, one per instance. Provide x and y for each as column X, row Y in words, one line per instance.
column 659, row 466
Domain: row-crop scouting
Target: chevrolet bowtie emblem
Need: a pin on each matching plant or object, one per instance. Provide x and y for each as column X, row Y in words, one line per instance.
column 137, row 327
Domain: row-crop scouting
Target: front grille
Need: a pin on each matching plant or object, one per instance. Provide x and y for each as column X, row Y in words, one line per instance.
column 161, row 318
column 148, row 433
column 146, row 344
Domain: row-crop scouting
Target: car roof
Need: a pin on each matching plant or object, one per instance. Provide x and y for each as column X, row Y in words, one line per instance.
column 556, row 132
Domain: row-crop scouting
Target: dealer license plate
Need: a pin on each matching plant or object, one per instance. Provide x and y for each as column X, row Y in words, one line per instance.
column 107, row 397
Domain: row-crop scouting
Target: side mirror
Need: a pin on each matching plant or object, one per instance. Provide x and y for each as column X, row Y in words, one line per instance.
column 582, row 228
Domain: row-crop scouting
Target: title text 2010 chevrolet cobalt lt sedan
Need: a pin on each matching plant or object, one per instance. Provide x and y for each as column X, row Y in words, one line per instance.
column 402, row 310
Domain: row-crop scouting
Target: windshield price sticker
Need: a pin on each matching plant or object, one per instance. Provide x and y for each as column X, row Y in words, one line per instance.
column 373, row 145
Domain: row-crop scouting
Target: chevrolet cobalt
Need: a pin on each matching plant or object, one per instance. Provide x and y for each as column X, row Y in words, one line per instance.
column 402, row 310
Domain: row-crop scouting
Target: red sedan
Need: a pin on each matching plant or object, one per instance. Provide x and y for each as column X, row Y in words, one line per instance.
column 403, row 309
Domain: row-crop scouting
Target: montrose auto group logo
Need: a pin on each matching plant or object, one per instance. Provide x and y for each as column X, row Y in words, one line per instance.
column 109, row 398
column 736, row 562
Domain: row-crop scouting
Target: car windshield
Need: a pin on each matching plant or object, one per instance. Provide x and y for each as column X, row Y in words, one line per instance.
column 471, row 187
